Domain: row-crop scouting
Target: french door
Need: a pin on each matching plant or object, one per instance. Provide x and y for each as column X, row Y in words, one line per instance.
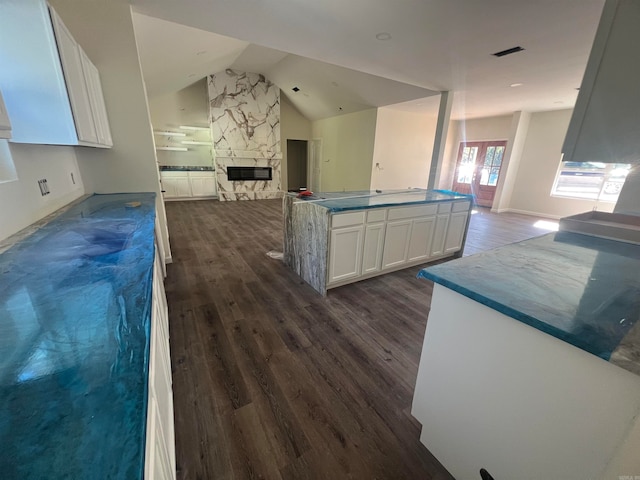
column 478, row 169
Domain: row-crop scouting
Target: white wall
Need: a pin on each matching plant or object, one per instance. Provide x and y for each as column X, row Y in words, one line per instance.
column 189, row 106
column 538, row 167
column 402, row 150
column 22, row 203
column 293, row 126
column 104, row 29
column 347, row 150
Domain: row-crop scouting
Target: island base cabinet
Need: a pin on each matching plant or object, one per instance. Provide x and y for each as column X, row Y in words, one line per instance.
column 373, row 248
column 345, row 253
column 519, row 402
column 420, row 241
column 396, row 243
column 455, row 232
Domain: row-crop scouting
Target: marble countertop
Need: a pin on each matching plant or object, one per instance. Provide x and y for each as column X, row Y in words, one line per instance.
column 364, row 199
column 581, row 289
column 184, row 168
column 75, row 300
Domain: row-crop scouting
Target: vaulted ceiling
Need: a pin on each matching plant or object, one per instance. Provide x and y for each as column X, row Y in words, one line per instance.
column 331, row 52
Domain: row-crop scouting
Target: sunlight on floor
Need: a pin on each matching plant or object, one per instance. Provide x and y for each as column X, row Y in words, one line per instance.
column 546, row 225
column 474, row 211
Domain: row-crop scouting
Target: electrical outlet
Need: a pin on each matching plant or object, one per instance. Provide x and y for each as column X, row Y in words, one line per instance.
column 44, row 188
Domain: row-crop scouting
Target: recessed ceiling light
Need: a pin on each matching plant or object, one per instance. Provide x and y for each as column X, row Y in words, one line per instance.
column 340, row 108
column 516, row 85
column 383, row 36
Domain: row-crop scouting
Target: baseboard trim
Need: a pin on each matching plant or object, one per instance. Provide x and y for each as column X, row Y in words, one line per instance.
column 530, row 213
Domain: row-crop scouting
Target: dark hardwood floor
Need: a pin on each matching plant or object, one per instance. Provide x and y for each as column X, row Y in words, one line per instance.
column 272, row 381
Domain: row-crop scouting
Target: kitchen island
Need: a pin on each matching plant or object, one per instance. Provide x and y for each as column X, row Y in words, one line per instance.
column 86, row 383
column 335, row 238
column 530, row 366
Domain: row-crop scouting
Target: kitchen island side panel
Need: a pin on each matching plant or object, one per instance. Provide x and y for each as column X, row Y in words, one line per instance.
column 306, row 241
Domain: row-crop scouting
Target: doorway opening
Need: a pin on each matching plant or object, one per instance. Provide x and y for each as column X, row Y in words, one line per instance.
column 478, row 170
column 296, row 165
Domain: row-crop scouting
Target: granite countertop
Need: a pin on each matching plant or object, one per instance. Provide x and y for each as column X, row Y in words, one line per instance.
column 364, row 199
column 184, row 168
column 75, row 302
column 581, row 289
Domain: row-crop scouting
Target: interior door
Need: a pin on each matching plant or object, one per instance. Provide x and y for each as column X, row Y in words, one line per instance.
column 478, row 169
column 314, row 159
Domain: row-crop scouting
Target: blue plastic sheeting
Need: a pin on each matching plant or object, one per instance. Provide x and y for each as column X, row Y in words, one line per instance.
column 75, row 303
column 581, row 289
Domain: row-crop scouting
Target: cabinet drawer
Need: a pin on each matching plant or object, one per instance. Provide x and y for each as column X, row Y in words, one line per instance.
column 444, row 207
column 412, row 212
column 460, row 207
column 376, row 215
column 346, row 219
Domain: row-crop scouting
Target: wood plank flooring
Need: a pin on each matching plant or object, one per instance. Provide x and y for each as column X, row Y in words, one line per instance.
column 272, row 381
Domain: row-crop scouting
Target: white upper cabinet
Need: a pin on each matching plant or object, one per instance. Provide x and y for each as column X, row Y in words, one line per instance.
column 5, row 124
column 604, row 124
column 53, row 94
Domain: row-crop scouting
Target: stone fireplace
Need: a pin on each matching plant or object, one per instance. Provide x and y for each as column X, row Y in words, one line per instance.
column 245, row 130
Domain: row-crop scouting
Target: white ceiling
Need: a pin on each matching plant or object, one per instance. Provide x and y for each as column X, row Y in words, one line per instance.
column 435, row 45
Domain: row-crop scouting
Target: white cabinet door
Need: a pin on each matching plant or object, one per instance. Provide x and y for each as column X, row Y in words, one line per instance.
column 439, row 234
column 455, row 232
column 176, row 184
column 203, row 184
column 345, row 253
column 5, row 124
column 96, row 99
column 71, row 60
column 373, row 248
column 396, row 243
column 421, row 236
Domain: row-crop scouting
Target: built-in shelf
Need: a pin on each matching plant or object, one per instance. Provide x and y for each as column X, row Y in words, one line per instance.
column 194, row 142
column 174, row 149
column 191, row 127
column 170, row 134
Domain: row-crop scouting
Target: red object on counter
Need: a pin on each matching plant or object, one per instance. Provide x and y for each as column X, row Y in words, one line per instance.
column 305, row 193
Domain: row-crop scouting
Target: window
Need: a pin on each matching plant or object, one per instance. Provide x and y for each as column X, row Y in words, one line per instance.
column 590, row 180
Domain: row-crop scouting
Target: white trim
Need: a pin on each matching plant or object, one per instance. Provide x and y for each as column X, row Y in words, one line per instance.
column 533, row 214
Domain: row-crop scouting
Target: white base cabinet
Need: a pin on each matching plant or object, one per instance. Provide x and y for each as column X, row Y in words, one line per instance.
column 186, row 184
column 363, row 244
column 160, row 457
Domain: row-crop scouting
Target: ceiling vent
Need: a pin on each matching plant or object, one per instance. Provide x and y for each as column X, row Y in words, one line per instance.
column 508, row 51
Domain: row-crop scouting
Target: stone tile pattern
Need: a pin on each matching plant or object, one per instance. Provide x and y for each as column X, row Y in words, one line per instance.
column 306, row 241
column 245, row 130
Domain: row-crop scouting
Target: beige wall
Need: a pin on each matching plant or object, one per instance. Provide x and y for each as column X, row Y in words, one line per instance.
column 105, row 30
column 347, row 150
column 189, row 106
column 293, row 126
column 402, row 150
column 22, row 203
column 538, row 167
